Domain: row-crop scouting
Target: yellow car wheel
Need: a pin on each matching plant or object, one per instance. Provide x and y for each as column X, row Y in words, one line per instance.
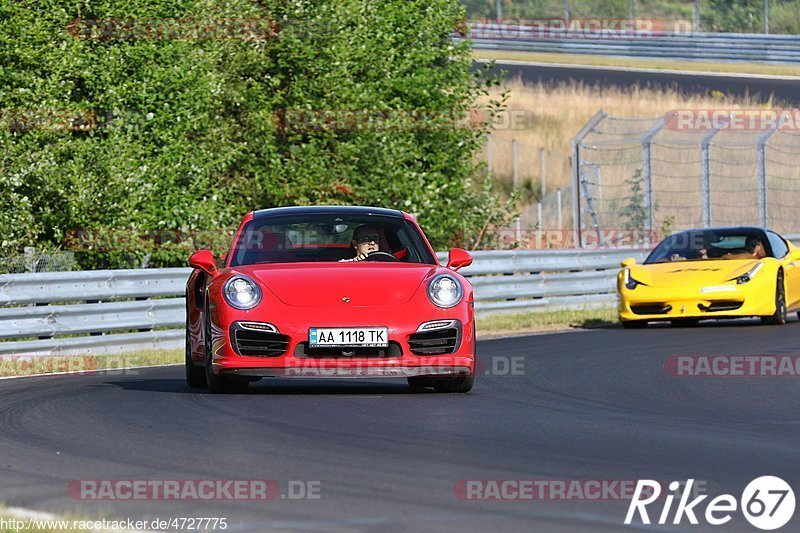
column 634, row 324
column 779, row 318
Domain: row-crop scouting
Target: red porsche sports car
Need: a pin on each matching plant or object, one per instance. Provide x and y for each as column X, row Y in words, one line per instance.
column 329, row 292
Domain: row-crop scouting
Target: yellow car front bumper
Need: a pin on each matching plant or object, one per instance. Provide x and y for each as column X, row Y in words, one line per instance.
column 727, row 300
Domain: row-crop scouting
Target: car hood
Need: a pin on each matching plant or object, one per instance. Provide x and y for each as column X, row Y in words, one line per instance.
column 341, row 284
column 693, row 273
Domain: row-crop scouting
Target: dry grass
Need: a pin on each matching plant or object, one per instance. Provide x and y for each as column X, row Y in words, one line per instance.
column 544, row 321
column 554, row 113
column 663, row 64
column 31, row 365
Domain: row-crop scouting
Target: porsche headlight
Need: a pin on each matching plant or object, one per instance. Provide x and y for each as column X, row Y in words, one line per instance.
column 241, row 292
column 445, row 291
column 750, row 274
column 629, row 281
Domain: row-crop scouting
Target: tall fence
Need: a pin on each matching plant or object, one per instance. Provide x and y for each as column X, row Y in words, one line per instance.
column 112, row 311
column 540, row 177
column 650, row 173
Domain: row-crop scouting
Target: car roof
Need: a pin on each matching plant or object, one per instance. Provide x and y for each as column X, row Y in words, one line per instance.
column 728, row 228
column 327, row 210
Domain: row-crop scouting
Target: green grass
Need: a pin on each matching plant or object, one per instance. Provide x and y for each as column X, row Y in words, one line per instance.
column 25, row 365
column 545, row 321
column 662, row 64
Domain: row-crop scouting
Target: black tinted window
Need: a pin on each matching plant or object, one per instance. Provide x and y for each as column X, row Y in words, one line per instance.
column 779, row 248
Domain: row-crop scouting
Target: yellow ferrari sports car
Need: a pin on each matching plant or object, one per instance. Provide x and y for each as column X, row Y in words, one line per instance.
column 712, row 273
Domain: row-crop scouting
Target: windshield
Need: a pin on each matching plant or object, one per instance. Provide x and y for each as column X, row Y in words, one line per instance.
column 699, row 245
column 327, row 238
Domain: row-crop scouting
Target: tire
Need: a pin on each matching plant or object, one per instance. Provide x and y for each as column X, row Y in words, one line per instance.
column 195, row 375
column 685, row 322
column 779, row 318
column 218, row 384
column 634, row 324
column 419, row 382
column 461, row 384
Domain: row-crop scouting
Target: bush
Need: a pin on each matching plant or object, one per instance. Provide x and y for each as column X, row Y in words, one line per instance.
column 186, row 135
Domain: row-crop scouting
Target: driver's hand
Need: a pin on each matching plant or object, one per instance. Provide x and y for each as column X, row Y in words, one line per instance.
column 359, row 257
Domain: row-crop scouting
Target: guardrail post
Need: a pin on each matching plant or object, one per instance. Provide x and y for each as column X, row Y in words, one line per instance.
column 705, row 180
column 766, row 17
column 576, row 177
column 762, row 176
column 647, row 174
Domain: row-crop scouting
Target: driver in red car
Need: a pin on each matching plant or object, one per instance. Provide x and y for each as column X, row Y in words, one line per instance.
column 366, row 240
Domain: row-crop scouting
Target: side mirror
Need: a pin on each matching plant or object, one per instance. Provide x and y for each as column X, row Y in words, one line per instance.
column 630, row 261
column 204, row 260
column 458, row 258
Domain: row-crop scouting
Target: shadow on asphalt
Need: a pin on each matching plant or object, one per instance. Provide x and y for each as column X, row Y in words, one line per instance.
column 274, row 386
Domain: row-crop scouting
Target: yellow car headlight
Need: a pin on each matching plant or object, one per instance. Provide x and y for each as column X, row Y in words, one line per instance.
column 750, row 274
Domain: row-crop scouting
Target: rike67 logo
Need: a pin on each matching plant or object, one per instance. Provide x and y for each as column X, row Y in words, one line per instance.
column 767, row 503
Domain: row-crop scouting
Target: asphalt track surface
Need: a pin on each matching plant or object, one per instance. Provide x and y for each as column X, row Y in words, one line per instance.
column 582, row 405
column 786, row 91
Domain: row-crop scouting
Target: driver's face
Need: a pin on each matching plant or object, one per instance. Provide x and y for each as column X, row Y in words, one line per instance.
column 367, row 243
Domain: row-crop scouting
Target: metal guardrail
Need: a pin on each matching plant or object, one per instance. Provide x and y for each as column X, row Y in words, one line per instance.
column 704, row 46
column 145, row 309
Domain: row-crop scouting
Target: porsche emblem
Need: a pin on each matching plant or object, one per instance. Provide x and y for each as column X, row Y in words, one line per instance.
column 345, row 299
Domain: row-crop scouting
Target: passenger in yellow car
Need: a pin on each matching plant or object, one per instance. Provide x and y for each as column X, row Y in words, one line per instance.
column 754, row 249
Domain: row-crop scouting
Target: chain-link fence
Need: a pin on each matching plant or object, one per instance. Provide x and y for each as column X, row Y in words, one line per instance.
column 38, row 261
column 735, row 16
column 674, row 172
column 542, row 180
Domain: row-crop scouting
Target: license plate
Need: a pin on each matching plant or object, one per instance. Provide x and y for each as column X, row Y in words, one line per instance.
column 364, row 337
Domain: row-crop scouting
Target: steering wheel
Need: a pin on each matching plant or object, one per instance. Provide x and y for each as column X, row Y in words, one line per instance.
column 382, row 257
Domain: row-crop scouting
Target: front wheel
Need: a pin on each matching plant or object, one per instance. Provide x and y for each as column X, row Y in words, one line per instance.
column 195, row 375
column 779, row 318
column 634, row 324
column 461, row 384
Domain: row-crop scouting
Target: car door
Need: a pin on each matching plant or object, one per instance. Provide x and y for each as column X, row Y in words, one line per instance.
column 790, row 258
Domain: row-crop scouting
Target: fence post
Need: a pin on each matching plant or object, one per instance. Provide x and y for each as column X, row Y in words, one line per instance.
column 489, row 154
column 762, row 176
column 30, row 258
column 697, row 16
column 558, row 208
column 515, row 177
column 766, row 17
column 647, row 172
column 705, row 181
column 576, row 174
column 499, row 10
column 539, row 222
column 543, row 170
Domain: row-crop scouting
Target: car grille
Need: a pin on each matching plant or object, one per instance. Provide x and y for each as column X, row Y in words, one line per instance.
column 303, row 350
column 260, row 343
column 437, row 342
column 651, row 309
column 721, row 305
